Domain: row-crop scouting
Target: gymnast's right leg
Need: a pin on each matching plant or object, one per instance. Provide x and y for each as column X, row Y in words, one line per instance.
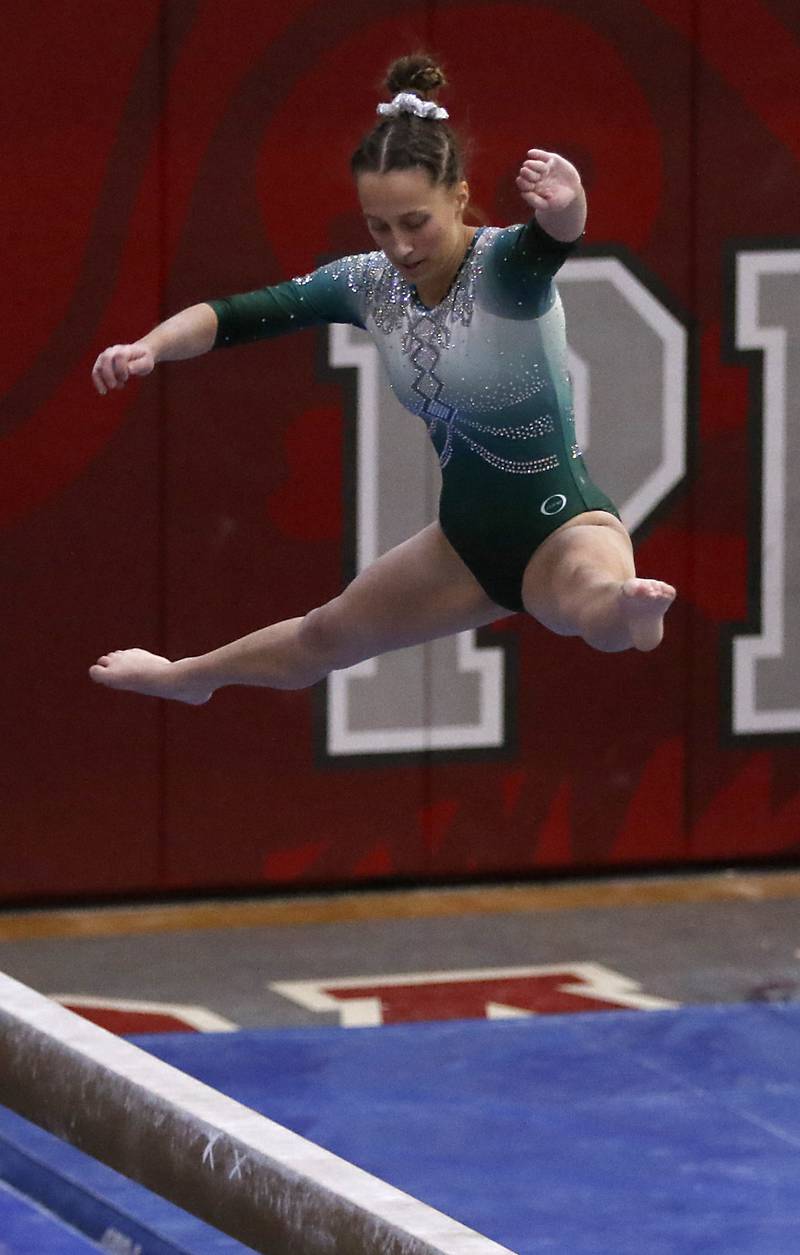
column 418, row 591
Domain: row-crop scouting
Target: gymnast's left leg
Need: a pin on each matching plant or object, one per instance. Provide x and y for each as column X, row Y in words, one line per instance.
column 582, row 582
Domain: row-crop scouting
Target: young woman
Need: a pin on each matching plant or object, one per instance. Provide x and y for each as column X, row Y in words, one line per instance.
column 470, row 328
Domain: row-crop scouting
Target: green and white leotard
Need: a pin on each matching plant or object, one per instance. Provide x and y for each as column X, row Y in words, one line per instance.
column 486, row 370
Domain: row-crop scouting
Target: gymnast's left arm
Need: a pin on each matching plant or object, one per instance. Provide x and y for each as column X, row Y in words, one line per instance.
column 552, row 187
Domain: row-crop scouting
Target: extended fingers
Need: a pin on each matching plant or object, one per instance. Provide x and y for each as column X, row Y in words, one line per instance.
column 534, row 171
column 533, row 194
column 532, row 182
column 529, row 182
column 538, row 164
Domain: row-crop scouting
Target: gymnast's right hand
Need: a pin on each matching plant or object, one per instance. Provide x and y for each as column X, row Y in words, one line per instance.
column 116, row 365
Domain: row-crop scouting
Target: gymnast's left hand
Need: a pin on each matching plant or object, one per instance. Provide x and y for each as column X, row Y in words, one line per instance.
column 548, row 181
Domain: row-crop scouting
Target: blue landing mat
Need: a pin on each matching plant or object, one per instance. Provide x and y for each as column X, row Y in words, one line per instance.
column 27, row 1230
column 58, row 1201
column 658, row 1133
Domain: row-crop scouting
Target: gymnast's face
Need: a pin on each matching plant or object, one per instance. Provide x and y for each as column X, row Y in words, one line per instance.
column 418, row 224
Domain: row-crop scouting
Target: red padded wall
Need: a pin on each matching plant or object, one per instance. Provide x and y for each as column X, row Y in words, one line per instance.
column 80, row 482
column 186, row 151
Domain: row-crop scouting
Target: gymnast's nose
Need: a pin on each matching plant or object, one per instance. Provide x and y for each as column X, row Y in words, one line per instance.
column 402, row 247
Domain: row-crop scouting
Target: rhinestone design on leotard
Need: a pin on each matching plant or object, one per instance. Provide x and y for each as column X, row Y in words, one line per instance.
column 543, row 426
column 393, row 304
column 382, row 289
column 427, row 336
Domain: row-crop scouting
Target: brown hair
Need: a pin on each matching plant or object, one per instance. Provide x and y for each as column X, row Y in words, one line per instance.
column 405, row 141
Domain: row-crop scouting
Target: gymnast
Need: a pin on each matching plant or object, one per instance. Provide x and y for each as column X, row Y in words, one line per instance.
column 470, row 328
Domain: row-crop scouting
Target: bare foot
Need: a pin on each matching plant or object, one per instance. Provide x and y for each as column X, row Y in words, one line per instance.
column 137, row 671
column 644, row 604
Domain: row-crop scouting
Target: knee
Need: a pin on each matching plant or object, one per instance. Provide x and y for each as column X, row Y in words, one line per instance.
column 322, row 636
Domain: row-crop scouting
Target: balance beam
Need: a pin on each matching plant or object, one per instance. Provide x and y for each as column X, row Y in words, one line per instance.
column 253, row 1179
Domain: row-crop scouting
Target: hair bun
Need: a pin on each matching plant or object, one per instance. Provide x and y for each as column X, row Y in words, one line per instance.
column 418, row 73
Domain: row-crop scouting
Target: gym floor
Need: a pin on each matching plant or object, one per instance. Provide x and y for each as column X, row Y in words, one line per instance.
column 367, row 957
column 675, row 1133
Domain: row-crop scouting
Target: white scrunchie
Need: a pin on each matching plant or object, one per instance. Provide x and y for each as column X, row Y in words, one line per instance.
column 407, row 102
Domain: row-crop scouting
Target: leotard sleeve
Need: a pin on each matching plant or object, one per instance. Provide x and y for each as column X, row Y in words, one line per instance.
column 523, row 261
column 326, row 295
column 535, row 250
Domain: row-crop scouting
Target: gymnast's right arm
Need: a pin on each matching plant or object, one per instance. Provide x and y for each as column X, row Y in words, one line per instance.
column 323, row 296
column 188, row 334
